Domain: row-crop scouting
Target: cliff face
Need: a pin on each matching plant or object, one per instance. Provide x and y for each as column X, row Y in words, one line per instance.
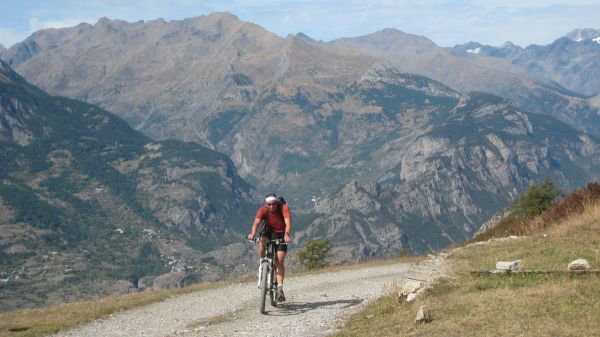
column 438, row 182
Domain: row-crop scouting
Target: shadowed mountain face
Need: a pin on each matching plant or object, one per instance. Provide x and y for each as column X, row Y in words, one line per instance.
column 572, row 61
column 86, row 202
column 393, row 160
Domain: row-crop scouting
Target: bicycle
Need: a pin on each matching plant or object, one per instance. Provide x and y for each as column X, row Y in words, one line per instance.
column 267, row 271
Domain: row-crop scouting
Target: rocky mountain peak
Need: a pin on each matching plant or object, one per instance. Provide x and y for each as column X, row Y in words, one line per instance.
column 386, row 41
column 388, row 74
column 393, row 35
column 582, row 34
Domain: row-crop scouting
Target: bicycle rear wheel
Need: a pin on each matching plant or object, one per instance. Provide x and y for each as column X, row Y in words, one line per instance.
column 273, row 287
column 263, row 286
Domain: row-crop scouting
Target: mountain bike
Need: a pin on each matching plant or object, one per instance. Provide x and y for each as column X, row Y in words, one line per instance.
column 267, row 271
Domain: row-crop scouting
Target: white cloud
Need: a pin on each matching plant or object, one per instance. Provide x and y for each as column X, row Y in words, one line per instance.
column 36, row 24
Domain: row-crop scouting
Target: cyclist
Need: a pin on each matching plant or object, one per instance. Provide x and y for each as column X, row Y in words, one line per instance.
column 278, row 224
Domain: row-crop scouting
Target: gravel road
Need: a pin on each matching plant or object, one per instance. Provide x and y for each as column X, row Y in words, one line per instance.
column 316, row 305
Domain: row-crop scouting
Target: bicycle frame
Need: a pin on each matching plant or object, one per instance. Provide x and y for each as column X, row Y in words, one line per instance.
column 267, row 273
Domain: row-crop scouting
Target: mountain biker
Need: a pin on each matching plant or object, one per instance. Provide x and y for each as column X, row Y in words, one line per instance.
column 278, row 224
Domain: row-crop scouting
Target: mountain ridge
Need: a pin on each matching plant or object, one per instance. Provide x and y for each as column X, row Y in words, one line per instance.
column 570, row 60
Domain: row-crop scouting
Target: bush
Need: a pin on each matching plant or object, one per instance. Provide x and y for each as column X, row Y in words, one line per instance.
column 537, row 199
column 573, row 203
column 315, row 253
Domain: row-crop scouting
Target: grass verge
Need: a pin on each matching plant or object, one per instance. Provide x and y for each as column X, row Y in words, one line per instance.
column 515, row 305
column 43, row 321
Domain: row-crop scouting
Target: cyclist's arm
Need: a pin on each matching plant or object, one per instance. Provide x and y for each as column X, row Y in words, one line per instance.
column 254, row 229
column 288, row 229
column 287, row 218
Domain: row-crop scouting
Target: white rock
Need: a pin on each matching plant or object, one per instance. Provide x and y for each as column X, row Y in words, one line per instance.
column 410, row 287
column 423, row 315
column 580, row 264
column 411, row 297
column 509, row 265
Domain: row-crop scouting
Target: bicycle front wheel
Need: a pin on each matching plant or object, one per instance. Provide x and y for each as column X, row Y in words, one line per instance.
column 263, row 286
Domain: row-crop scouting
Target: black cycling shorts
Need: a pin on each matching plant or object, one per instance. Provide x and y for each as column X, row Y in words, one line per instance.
column 275, row 236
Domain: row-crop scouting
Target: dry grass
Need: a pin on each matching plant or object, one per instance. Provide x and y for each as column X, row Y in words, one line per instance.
column 515, row 305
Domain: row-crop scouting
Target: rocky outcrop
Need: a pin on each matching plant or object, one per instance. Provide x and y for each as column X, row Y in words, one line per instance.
column 492, row 222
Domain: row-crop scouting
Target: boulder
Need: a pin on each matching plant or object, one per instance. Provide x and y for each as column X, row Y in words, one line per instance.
column 145, row 282
column 579, row 264
column 509, row 265
column 169, row 280
column 423, row 315
column 410, row 287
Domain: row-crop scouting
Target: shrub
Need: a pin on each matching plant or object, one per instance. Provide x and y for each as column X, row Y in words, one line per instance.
column 573, row 203
column 537, row 199
column 315, row 253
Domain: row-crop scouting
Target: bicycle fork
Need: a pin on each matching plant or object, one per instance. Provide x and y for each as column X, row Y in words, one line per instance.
column 260, row 270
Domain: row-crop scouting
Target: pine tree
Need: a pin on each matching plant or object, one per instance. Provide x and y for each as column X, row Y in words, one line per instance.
column 315, row 253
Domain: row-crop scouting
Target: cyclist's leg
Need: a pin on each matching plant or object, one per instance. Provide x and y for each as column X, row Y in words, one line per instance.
column 262, row 251
column 280, row 265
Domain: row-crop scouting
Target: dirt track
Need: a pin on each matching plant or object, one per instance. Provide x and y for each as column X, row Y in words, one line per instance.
column 316, row 306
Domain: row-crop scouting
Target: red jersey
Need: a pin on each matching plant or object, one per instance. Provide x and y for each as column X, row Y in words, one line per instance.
column 274, row 219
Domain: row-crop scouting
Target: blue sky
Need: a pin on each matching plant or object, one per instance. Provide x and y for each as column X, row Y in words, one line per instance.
column 445, row 22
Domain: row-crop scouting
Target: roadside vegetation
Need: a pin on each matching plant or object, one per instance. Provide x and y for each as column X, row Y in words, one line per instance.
column 44, row 321
column 517, row 304
column 314, row 254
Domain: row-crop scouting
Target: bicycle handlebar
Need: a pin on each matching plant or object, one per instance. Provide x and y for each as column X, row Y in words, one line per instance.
column 276, row 241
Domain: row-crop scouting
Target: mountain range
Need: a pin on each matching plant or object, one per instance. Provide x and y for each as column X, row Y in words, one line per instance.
column 572, row 61
column 384, row 143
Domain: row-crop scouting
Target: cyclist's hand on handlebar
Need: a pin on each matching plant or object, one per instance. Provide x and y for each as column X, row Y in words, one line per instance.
column 287, row 238
column 250, row 236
